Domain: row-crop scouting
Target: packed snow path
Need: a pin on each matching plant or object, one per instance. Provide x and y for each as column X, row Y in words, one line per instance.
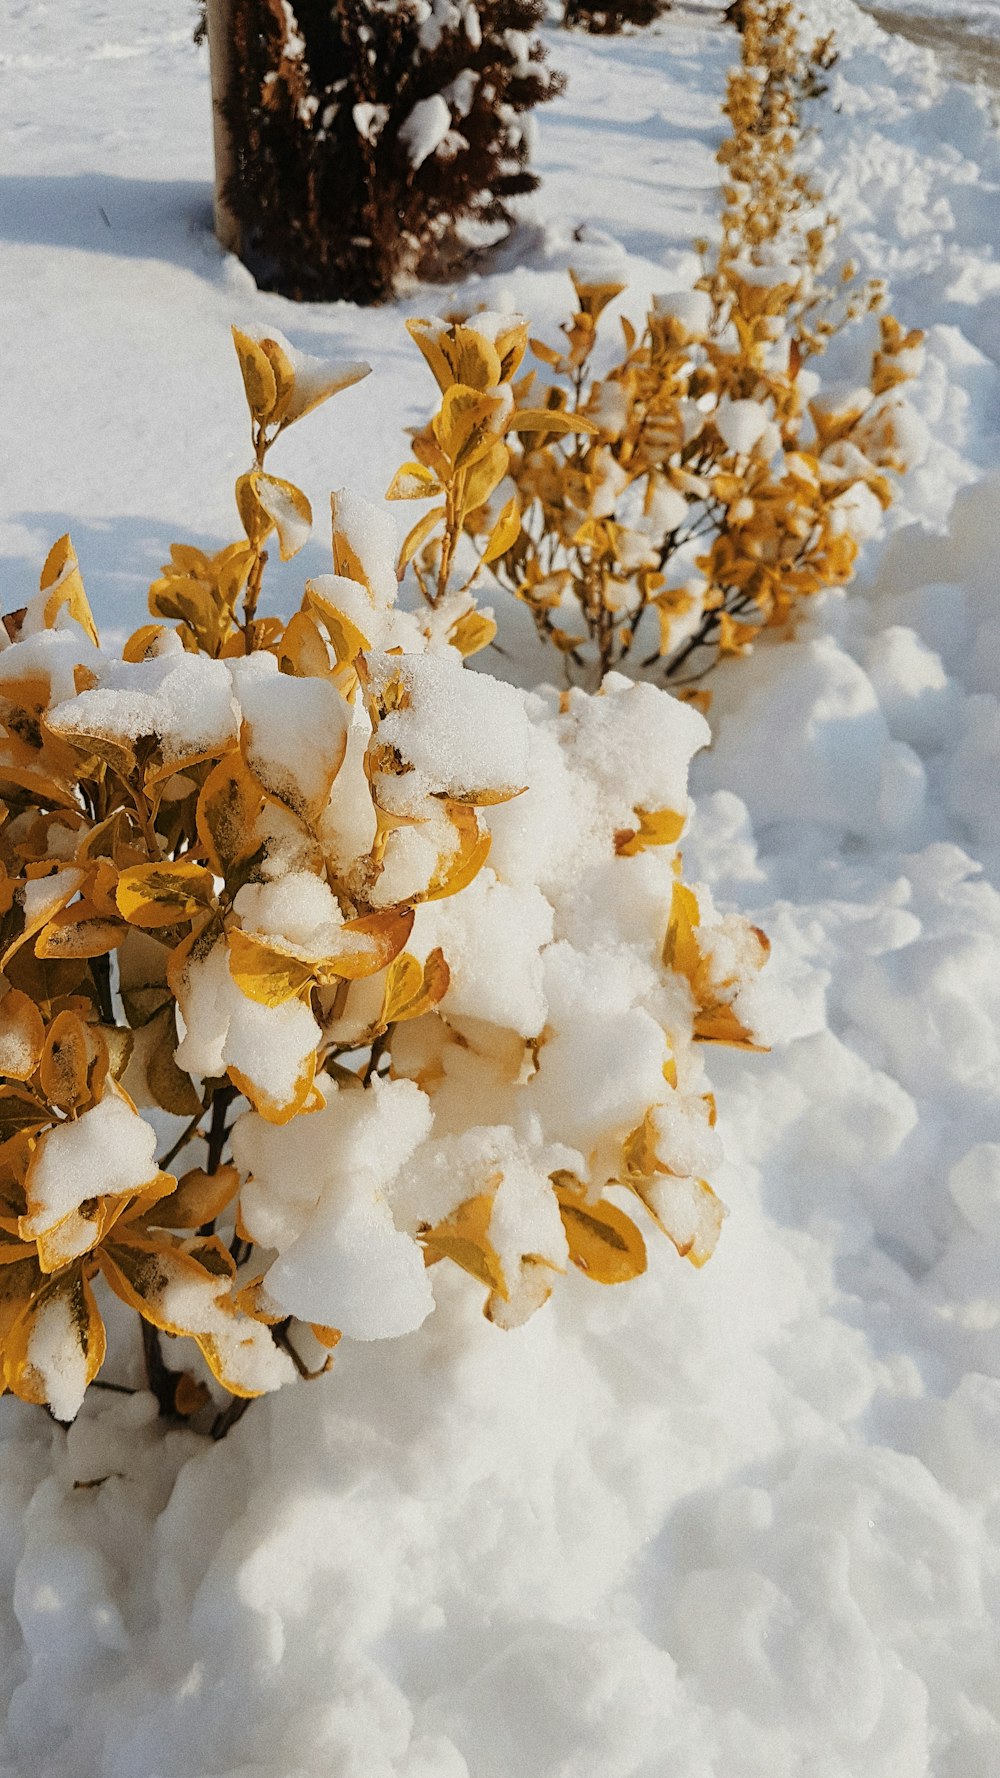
column 735, row 1524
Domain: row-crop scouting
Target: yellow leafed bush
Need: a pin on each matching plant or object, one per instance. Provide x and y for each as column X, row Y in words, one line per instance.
column 320, row 896
column 700, row 488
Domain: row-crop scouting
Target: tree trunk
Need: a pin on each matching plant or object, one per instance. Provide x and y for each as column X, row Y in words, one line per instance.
column 220, row 50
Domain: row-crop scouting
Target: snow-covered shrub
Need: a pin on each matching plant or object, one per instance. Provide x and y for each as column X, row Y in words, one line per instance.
column 405, row 952
column 603, row 17
column 374, row 141
column 704, row 481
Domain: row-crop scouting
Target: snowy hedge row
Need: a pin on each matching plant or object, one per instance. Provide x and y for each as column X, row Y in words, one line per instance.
column 406, row 953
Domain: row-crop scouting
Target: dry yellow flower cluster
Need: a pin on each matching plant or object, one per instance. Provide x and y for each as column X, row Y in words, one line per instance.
column 700, row 488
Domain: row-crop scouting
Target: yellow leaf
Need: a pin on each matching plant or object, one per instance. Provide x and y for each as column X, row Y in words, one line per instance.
column 302, row 1099
column 680, row 947
column 171, row 1088
column 427, row 335
column 199, row 1198
column 463, row 1237
column 229, row 807
column 484, row 478
column 268, row 976
column 547, row 354
column 412, row 989
column 147, row 1273
column 62, row 580
column 419, row 535
column 457, row 869
column 302, row 650
column 152, row 895
column 287, row 509
column 258, row 376
column 467, row 424
column 79, row 931
column 505, row 532
column 22, row 1035
column 70, row 1293
column 284, row 377
column 190, row 1396
column 550, row 419
column 472, row 632
column 602, row 1240
column 141, row 643
column 734, row 637
column 373, row 942
column 413, row 482
column 594, row 297
column 719, row 1024
column 346, row 639
column 74, row 1063
column 657, row 827
column 19, row 1112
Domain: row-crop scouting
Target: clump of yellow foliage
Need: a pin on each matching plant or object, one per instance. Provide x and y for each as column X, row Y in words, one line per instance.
column 699, row 489
column 223, row 851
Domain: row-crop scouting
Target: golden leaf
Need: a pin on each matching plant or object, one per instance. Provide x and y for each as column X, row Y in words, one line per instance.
column 550, row 419
column 594, row 297
column 79, row 931
column 190, row 1395
column 264, row 974
column 457, row 869
column 680, row 947
column 484, row 478
column 259, row 379
column 374, row 941
column 74, row 1063
column 719, row 1024
column 467, row 423
column 302, row 649
column 505, row 532
column 164, row 894
column 412, row 989
column 172, row 1089
column 657, row 827
column 22, row 1035
column 229, row 807
column 419, row 535
column 145, row 1272
column 269, row 504
column 602, row 1240
column 472, row 632
column 413, row 481
column 199, row 1198
column 463, row 1237
column 71, row 1290
column 62, row 580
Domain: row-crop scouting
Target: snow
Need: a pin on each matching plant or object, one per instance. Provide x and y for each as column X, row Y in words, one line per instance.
column 730, row 1523
column 424, row 130
column 105, row 1152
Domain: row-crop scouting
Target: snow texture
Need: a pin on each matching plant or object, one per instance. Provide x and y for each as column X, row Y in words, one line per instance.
column 737, row 1523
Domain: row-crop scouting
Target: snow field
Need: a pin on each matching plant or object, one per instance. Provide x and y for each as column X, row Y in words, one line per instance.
column 739, row 1523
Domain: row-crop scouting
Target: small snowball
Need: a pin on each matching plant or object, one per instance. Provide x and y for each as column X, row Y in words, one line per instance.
column 425, row 129
column 740, row 424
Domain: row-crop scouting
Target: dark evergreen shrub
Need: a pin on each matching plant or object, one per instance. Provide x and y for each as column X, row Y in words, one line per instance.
column 378, row 140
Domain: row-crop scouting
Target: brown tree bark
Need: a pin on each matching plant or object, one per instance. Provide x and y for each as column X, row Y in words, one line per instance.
column 220, row 49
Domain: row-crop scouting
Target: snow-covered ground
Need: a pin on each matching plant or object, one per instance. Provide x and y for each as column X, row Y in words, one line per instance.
column 741, row 1523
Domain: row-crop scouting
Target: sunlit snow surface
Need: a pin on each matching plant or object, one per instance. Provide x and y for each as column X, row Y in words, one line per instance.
column 739, row 1523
